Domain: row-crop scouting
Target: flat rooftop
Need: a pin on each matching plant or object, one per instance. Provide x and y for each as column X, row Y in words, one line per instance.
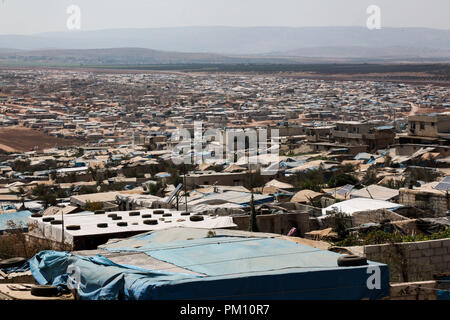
column 88, row 223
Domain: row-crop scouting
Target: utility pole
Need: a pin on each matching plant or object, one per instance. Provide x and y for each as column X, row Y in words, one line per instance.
column 62, row 225
column 185, row 189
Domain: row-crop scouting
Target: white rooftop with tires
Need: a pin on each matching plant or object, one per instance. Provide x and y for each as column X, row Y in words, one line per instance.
column 88, row 223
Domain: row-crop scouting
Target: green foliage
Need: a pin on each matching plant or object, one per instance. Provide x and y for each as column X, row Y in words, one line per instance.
column 21, row 166
column 16, row 243
column 370, row 177
column 348, row 168
column 252, row 225
column 79, row 153
column 175, row 179
column 380, row 237
column 60, row 193
column 44, row 194
column 387, row 161
column 216, row 168
column 311, row 179
column 254, row 180
column 94, row 206
column 154, row 188
column 87, row 190
column 317, row 158
column 395, row 184
column 422, row 174
column 342, row 180
column 25, row 166
column 340, row 223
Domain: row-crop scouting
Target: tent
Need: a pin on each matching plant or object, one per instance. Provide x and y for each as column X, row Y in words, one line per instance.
column 278, row 184
column 306, row 196
column 376, row 192
column 361, row 204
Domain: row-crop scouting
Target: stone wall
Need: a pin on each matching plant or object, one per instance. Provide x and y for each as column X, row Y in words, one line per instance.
column 276, row 223
column 412, row 261
column 429, row 201
column 423, row 290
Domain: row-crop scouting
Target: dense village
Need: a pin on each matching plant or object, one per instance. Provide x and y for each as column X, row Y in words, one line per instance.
column 360, row 179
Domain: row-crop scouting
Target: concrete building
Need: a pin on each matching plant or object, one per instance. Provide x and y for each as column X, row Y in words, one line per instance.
column 432, row 129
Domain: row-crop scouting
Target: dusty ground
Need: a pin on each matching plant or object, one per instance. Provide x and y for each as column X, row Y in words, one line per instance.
column 16, row 138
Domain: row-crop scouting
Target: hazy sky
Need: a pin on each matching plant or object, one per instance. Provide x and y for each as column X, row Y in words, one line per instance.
column 34, row 16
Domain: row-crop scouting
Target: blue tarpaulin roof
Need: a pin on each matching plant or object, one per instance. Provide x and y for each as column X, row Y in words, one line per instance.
column 229, row 267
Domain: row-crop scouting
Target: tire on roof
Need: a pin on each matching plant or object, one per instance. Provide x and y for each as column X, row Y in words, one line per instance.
column 73, row 227
column 196, row 218
column 44, row 291
column 12, row 262
column 351, row 261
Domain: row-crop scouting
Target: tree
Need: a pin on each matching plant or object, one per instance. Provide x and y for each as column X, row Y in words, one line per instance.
column 94, row 206
column 154, row 188
column 370, row 177
column 252, row 225
column 342, row 180
column 79, row 153
column 45, row 194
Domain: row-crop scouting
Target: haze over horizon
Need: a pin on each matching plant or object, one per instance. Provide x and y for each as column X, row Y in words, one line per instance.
column 25, row 17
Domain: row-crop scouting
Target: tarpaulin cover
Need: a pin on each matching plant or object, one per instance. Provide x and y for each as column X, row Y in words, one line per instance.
column 443, row 294
column 100, row 278
column 219, row 256
column 258, row 266
column 232, row 267
column 23, row 268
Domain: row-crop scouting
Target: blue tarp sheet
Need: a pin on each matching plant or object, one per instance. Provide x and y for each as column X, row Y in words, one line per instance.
column 218, row 256
column 100, row 278
column 231, row 267
column 23, row 268
column 443, row 295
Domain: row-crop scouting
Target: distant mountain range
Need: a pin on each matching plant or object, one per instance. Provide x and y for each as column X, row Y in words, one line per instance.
column 229, row 45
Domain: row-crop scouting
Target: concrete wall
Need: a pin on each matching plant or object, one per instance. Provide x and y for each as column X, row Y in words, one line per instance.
column 234, row 179
column 22, row 277
column 429, row 201
column 408, row 149
column 423, row 290
column 412, row 261
column 276, row 223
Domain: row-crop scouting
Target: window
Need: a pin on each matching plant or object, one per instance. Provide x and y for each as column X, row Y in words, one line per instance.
column 422, row 126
